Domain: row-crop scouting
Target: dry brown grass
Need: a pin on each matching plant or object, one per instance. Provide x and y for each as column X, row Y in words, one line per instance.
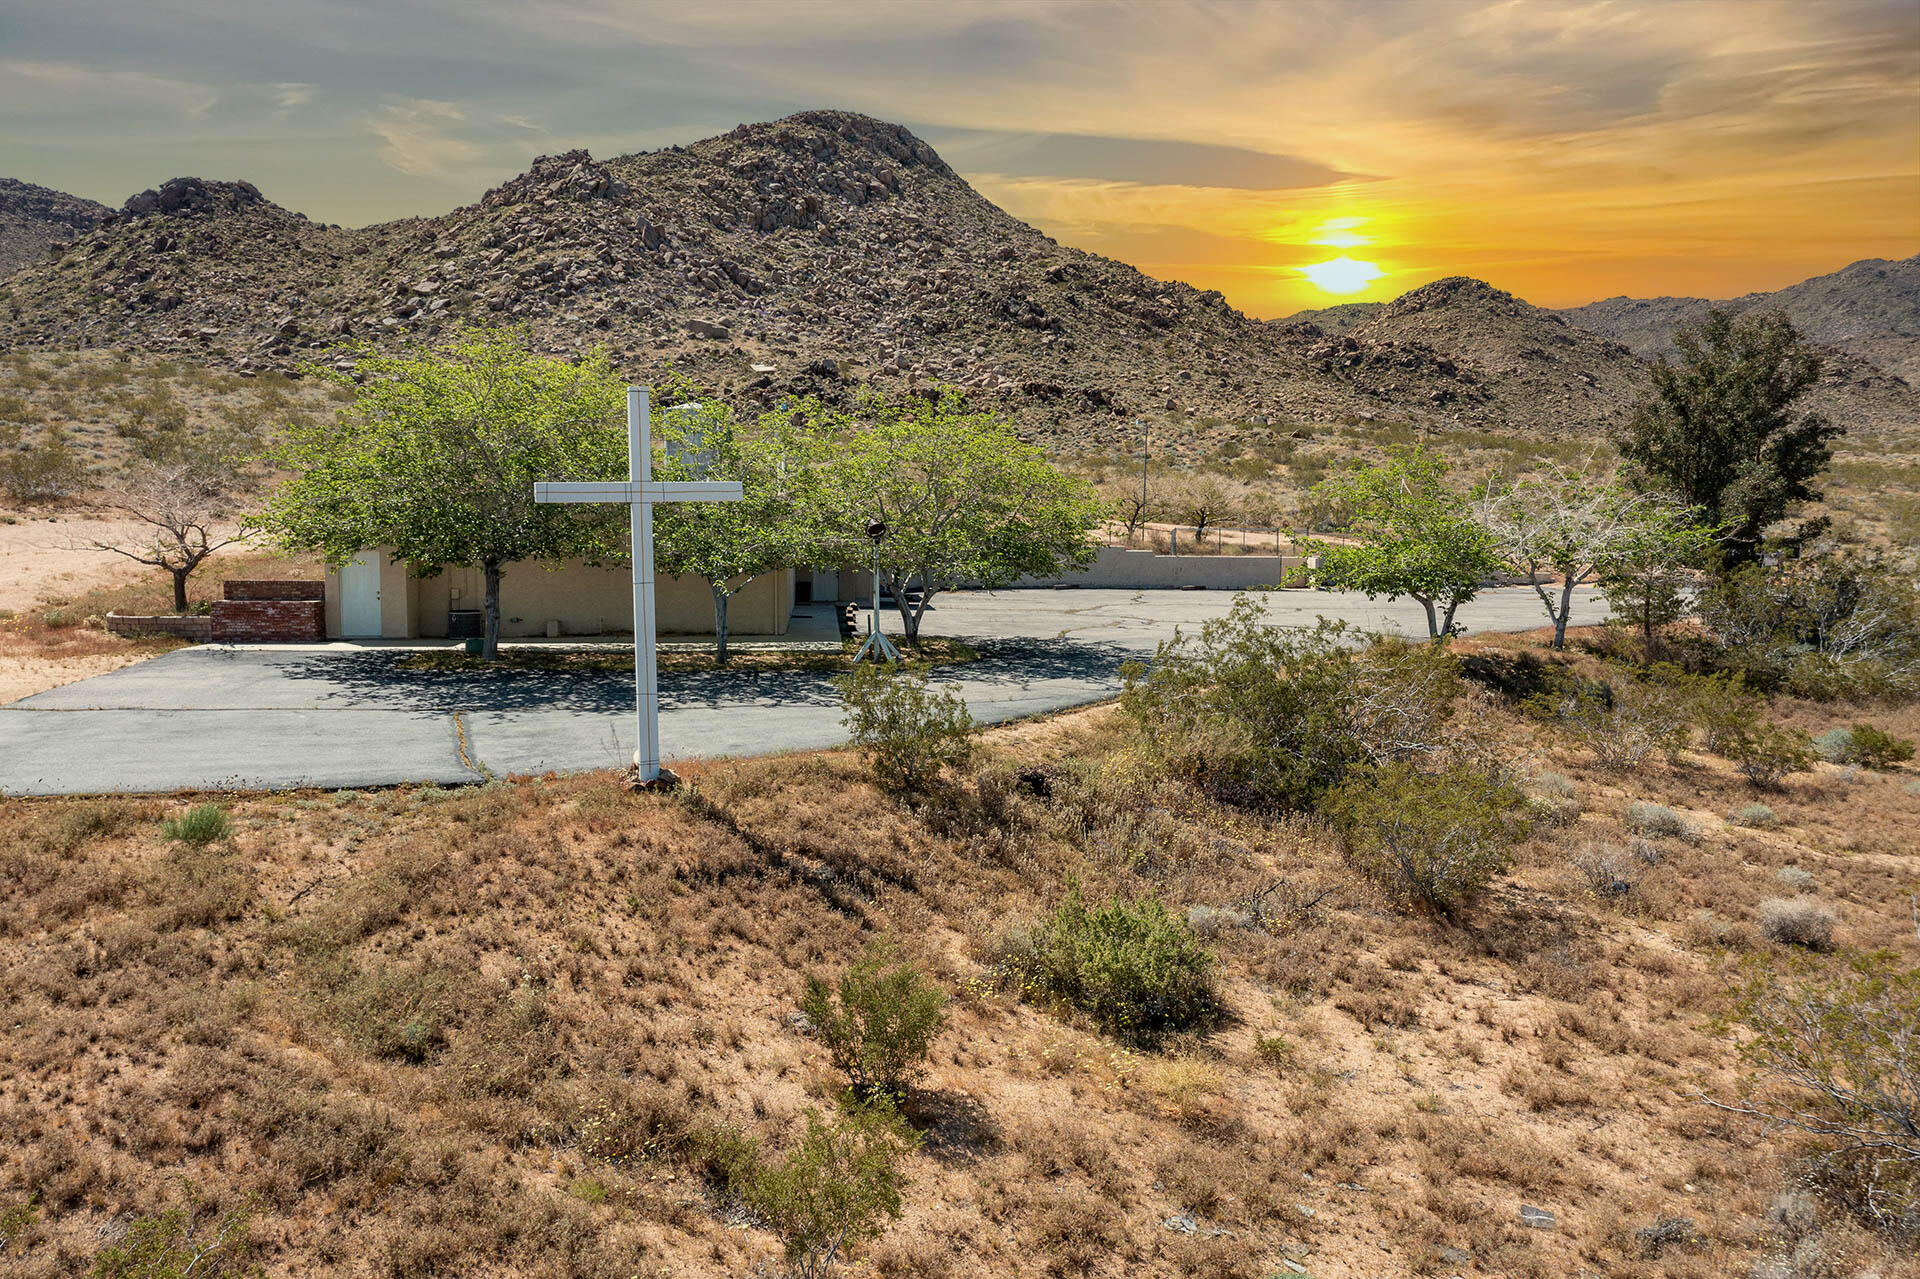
column 498, row 1031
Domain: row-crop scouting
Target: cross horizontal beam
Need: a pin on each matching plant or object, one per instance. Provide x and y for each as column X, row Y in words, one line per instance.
column 630, row 492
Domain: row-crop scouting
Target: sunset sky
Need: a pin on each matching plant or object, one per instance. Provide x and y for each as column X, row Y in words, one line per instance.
column 1291, row 155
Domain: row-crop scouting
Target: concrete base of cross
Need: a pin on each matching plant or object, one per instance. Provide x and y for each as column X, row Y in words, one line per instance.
column 631, row 779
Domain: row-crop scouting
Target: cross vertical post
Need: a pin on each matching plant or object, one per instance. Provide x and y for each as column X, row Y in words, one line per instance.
column 646, row 678
column 639, row 492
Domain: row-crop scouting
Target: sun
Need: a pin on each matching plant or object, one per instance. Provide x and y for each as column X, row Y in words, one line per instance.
column 1341, row 275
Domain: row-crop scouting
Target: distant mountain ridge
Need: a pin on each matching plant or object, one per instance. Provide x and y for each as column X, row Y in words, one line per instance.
column 33, row 218
column 815, row 254
column 1868, row 309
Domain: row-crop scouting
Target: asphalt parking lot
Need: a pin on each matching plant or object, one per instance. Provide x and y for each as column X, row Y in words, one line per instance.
column 263, row 717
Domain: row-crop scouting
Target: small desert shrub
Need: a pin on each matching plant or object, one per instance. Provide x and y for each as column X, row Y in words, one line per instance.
column 66, row 830
column 1556, row 801
column 907, row 732
column 1768, row 752
column 1658, row 820
column 1269, row 717
column 1840, row 1047
column 1758, row 816
column 1797, row 921
column 1624, row 723
column 1665, row 1232
column 880, row 1024
column 171, row 1245
column 1275, row 1050
column 1869, row 747
column 195, row 886
column 1795, row 878
column 1134, row 968
column 1721, row 704
column 1606, row 871
column 1835, row 745
column 1436, row 838
column 200, row 825
column 1555, row 786
column 839, row 1186
column 15, row 1220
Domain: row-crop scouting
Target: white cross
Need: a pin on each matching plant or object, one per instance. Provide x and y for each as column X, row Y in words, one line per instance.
column 640, row 493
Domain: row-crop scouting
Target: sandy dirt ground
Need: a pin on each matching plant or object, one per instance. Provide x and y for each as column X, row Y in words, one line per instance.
column 23, row 676
column 45, row 557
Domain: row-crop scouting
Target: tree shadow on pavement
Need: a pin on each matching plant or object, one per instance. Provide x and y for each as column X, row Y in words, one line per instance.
column 381, row 677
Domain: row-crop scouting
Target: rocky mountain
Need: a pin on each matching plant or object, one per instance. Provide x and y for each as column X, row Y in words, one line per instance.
column 1336, row 319
column 33, row 218
column 1473, row 355
column 815, row 254
column 1869, row 310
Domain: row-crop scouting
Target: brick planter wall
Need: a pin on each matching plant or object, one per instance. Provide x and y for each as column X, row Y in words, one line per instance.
column 274, row 589
column 267, row 621
column 197, row 629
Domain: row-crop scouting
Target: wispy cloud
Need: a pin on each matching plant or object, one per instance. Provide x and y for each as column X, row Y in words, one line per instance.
column 417, row 140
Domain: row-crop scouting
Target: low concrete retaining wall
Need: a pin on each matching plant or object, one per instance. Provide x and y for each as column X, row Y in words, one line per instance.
column 1119, row 568
column 198, row 629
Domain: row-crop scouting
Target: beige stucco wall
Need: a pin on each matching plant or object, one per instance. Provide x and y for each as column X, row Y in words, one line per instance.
column 584, row 599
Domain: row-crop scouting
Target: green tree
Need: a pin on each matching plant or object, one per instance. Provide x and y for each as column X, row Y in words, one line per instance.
column 438, row 455
column 964, row 502
column 1645, row 580
column 1563, row 528
column 1418, row 537
column 1722, row 429
column 778, row 523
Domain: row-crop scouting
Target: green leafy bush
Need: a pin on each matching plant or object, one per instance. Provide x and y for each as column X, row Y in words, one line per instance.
column 881, row 1022
column 1270, row 717
column 839, row 1186
column 201, row 825
column 1719, row 703
column 907, row 732
column 1767, row 752
column 1758, row 816
column 1133, row 967
column 1435, row 839
column 1871, row 747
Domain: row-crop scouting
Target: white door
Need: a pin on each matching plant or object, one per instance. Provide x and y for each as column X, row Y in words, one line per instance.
column 360, row 598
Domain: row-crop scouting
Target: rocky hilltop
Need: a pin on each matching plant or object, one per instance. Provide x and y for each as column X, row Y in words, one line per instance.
column 1476, row 355
column 1869, row 310
column 814, row 254
column 33, row 218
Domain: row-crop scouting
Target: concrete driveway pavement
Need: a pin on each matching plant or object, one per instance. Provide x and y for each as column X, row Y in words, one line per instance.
column 341, row 715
